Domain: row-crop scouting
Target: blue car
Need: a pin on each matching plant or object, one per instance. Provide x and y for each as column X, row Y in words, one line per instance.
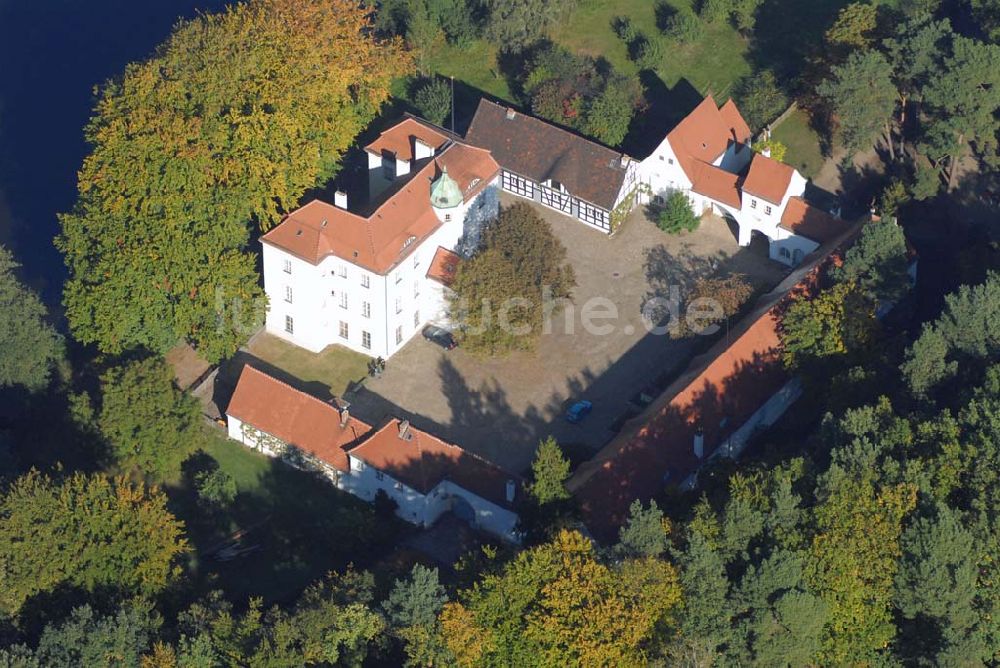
column 578, row 411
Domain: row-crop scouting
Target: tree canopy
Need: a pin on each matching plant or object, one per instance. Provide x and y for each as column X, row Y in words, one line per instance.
column 92, row 532
column 30, row 345
column 195, row 147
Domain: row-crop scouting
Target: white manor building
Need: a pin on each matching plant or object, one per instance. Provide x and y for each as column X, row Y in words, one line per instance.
column 370, row 280
column 708, row 157
column 424, row 475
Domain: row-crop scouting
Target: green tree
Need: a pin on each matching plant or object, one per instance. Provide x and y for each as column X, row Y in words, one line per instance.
column 609, row 114
column 987, row 16
column 684, row 26
column 216, row 489
column 677, row 216
column 862, row 94
column 705, row 625
column 968, row 331
column 877, row 262
column 854, row 27
column 31, row 347
column 416, row 600
column 936, row 589
column 505, row 292
column 775, row 149
column 834, row 323
column 433, row 100
column 150, row 424
column 549, row 472
column 745, row 14
column 87, row 531
column 88, row 639
column 644, row 534
column 725, row 295
column 916, row 53
column 156, row 244
column 962, row 101
column 760, row 99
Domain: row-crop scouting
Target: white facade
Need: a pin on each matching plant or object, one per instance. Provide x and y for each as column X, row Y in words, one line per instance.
column 339, row 302
column 662, row 172
column 364, row 482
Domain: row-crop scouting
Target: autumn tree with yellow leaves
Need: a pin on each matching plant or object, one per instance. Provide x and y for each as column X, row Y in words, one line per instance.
column 220, row 132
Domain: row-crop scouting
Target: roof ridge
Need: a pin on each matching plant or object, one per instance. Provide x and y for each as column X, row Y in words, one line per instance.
column 325, row 404
column 554, row 125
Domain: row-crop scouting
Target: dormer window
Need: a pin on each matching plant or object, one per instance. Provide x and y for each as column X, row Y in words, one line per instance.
column 409, row 241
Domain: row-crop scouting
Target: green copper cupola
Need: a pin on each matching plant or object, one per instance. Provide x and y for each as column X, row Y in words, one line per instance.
column 445, row 193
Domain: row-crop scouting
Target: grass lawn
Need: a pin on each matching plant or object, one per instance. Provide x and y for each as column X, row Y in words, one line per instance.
column 300, row 526
column 335, row 367
column 803, row 143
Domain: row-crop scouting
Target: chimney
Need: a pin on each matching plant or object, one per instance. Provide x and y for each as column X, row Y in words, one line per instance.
column 345, row 415
column 404, row 429
column 766, row 152
column 699, row 443
column 511, row 114
column 624, row 161
column 511, row 488
column 340, row 200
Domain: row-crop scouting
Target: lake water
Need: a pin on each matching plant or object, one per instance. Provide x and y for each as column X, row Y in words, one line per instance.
column 52, row 54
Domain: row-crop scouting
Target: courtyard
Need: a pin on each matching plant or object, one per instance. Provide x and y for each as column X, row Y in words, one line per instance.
column 501, row 407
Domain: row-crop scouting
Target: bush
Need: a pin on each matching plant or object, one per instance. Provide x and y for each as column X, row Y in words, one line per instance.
column 625, row 29
column 649, row 54
column 684, row 26
column 433, row 100
column 677, row 215
column 714, row 11
column 216, row 489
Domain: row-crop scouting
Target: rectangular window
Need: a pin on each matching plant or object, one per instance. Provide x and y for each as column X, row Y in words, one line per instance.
column 416, row 260
column 366, row 340
column 753, row 204
column 517, row 185
column 767, row 210
column 289, row 324
column 399, row 335
column 343, row 299
column 366, row 309
column 288, row 294
column 593, row 215
column 379, row 475
column 399, row 304
column 342, row 271
column 447, row 217
column 343, row 329
column 399, row 486
column 399, row 278
column 365, row 281
column 288, row 266
column 416, row 318
column 416, row 289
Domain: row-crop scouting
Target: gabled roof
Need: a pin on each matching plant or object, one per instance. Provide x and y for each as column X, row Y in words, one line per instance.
column 808, row 221
column 540, row 151
column 381, row 240
column 717, row 183
column 443, row 266
column 705, row 134
column 295, row 417
column 422, row 461
column 768, row 178
column 399, row 139
column 718, row 392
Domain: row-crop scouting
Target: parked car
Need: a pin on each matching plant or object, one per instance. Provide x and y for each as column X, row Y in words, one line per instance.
column 440, row 336
column 578, row 411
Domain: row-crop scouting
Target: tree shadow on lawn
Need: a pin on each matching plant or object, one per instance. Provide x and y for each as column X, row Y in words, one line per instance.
column 665, row 108
column 301, row 526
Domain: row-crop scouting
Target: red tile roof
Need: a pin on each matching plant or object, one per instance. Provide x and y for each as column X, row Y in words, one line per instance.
column 380, row 241
column 728, row 383
column 716, row 183
column 421, row 461
column 295, row 417
column 806, row 220
column 768, row 178
column 705, row 134
column 443, row 266
column 399, row 139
